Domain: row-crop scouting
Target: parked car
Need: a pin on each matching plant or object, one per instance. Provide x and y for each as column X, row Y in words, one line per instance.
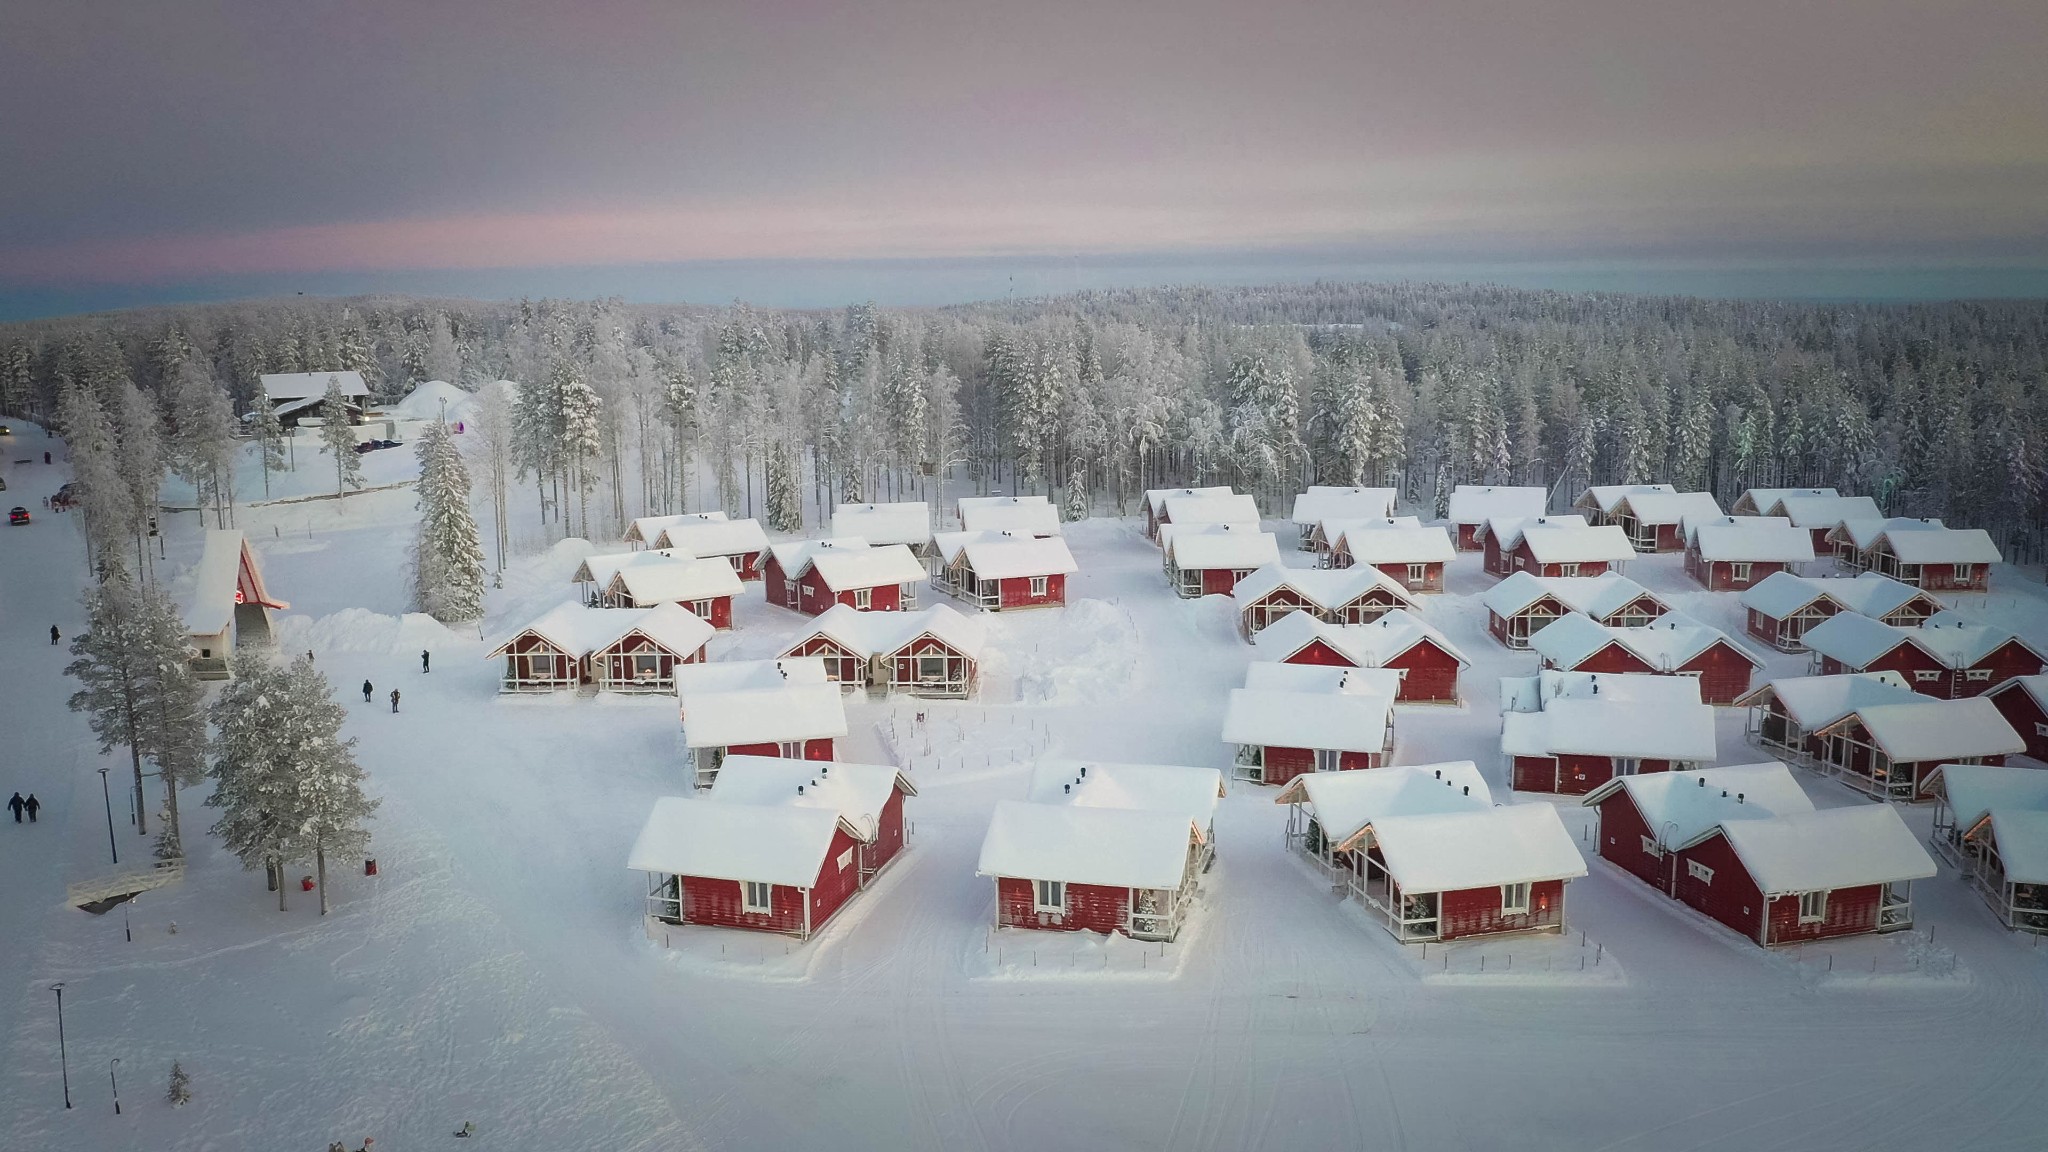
column 17, row 515
column 365, row 446
column 389, row 444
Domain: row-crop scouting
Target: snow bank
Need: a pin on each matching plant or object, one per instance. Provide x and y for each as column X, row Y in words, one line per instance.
column 361, row 630
column 424, row 402
column 1089, row 655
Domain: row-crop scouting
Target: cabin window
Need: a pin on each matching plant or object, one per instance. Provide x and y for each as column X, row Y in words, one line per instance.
column 1699, row 871
column 1627, row 765
column 1925, row 676
column 863, row 597
column 1739, row 571
column 1038, row 585
column 1963, row 572
column 757, row 896
column 791, row 749
column 1327, row 759
column 646, row 665
column 1813, row 907
column 702, row 608
column 1651, row 847
column 1514, row 899
column 789, row 590
column 845, row 859
column 931, row 669
column 1567, row 569
column 1977, row 674
column 2041, row 729
column 1417, row 573
column 1050, row 895
column 205, row 653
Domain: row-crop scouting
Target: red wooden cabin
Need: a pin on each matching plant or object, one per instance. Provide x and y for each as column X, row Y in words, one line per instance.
column 810, row 576
column 1400, row 640
column 1069, row 868
column 1945, row 656
column 2023, row 701
column 1669, row 646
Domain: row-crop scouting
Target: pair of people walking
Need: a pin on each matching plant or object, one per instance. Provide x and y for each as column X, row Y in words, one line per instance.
column 368, row 690
column 18, row 806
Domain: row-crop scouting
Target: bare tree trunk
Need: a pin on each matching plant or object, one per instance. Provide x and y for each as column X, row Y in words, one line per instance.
column 320, row 875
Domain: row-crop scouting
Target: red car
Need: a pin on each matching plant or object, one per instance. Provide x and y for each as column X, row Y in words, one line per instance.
column 18, row 516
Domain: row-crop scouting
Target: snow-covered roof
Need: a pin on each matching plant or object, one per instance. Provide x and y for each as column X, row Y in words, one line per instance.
column 1666, row 644
column 1589, row 726
column 1454, row 851
column 1974, row 789
column 678, row 580
column 1007, row 555
column 1826, row 511
column 1370, row 543
column 1322, row 502
column 2035, row 687
column 1369, row 645
column 1031, row 515
column 778, row 844
column 1913, row 731
column 1764, row 501
column 1865, row 532
column 718, row 676
column 1346, row 802
column 1327, row 588
column 1534, row 693
column 2022, row 838
column 1960, row 641
column 672, row 626
column 1876, row 595
column 843, row 569
column 1231, row 509
column 1478, row 503
column 763, row 715
column 599, row 567
column 1078, row 844
column 713, row 537
column 574, row 628
column 856, row 792
column 900, row 523
column 1818, row 701
column 1190, row 793
column 300, row 385
column 868, row 633
column 1596, row 596
column 1155, row 498
column 1608, row 497
column 1729, row 540
column 1668, row 507
column 1826, row 849
column 1576, row 544
column 1855, row 639
column 217, row 579
column 1943, row 546
column 1202, row 546
column 1506, row 531
column 1681, row 806
column 648, row 529
column 1346, row 722
column 1272, row 676
column 1782, row 594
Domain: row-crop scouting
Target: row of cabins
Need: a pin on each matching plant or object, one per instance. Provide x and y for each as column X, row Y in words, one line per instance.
column 1922, row 552
column 573, row 646
column 643, row 579
column 1335, row 595
column 1522, row 605
column 1670, row 645
column 934, row 652
column 1780, row 609
column 1552, row 546
column 1874, row 733
column 1945, row 656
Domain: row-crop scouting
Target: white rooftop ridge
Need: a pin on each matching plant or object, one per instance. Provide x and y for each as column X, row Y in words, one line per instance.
column 713, row 537
column 301, row 385
column 1595, row 596
column 1454, row 851
column 1864, row 533
column 1272, row 676
column 1608, row 497
column 1534, row 693
column 1576, row 544
column 1669, row 507
column 1187, row 792
column 1815, row 702
column 905, row 522
column 672, row 626
column 1829, row 848
column 791, row 712
column 1371, row 543
column 1764, row 501
column 1826, row 511
column 1733, row 542
column 2022, row 836
column 648, row 529
column 857, row 793
column 1589, row 726
column 1346, row 802
column 1081, row 844
column 774, row 844
column 1007, row 555
column 1913, row 731
column 1679, row 807
column 1954, row 640
column 680, row 579
column 1478, row 503
column 846, row 563
column 719, row 676
column 1782, row 594
column 1155, row 498
column 599, row 567
column 1975, row 789
column 1033, row 515
column 1665, row 644
column 578, row 630
column 1506, row 531
column 868, row 633
column 1944, row 546
column 1204, row 509
column 1326, row 588
column 1370, row 645
column 1202, row 546
column 1346, row 722
column 1327, row 502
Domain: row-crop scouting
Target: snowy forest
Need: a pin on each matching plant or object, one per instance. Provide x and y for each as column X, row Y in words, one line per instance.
column 626, row 410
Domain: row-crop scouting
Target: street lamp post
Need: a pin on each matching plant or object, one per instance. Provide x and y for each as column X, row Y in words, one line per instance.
column 111, row 1066
column 63, row 1057
column 109, row 798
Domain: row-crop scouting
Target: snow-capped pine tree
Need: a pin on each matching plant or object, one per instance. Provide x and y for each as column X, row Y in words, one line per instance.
column 324, row 783
column 115, row 669
column 203, row 450
column 785, row 503
column 1077, row 499
column 174, row 713
column 448, row 553
column 256, row 728
column 679, row 412
column 338, row 437
column 139, row 428
column 104, row 497
column 180, row 1092
column 582, row 433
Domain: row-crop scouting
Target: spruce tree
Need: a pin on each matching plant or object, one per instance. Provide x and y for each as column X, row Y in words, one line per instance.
column 323, row 783
column 174, row 717
column 785, row 505
column 116, row 671
column 180, row 1092
column 448, row 553
column 253, row 720
column 1077, row 498
column 338, row 437
column 270, row 442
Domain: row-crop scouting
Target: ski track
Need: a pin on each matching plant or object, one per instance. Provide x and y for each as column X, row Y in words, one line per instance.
column 496, row 971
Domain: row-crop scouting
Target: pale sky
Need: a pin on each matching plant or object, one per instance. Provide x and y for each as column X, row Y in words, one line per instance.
column 156, row 150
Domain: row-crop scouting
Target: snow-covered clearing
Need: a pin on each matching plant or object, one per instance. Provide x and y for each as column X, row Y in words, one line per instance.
column 497, row 969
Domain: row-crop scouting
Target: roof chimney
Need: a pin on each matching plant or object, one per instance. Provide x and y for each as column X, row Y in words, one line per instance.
column 1724, row 793
column 1439, row 773
column 1468, row 789
column 1084, row 771
column 1067, row 789
column 1738, row 797
column 799, row 789
column 1703, row 781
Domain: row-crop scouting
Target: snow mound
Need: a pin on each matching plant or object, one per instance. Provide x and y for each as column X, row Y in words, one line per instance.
column 1088, row 656
column 361, row 630
column 424, row 402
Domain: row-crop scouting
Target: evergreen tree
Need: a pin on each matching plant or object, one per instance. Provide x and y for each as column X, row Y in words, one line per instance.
column 1077, row 498
column 785, row 505
column 180, row 1093
column 338, row 437
column 116, row 673
column 104, row 497
column 324, row 783
column 582, row 433
column 448, row 554
column 140, row 461
column 251, row 771
column 270, row 442
column 173, row 719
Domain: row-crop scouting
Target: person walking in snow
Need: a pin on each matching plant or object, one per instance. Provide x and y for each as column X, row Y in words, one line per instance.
column 394, row 701
column 53, row 635
column 33, row 805
column 46, row 457
column 423, row 660
column 366, row 691
column 17, row 804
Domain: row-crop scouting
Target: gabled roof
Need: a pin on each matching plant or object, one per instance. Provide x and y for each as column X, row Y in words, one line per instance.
column 1864, row 533
column 1827, row 511
column 1231, row 509
column 1668, row 507
column 1534, row 693
column 1679, row 807
column 300, row 385
column 1943, row 546
column 2022, row 839
column 1202, row 546
column 1190, row 793
column 1341, row 721
column 1077, row 844
column 1855, row 640
column 1346, row 802
column 763, row 715
column 1155, row 498
column 1007, row 555
column 1331, row 530
column 217, row 580
column 1961, row 642
column 1506, row 531
column 965, row 504
column 2034, row 687
column 1876, row 595
column 1974, row 789
column 1637, row 729
column 714, row 538
column 677, row 580
column 1914, row 731
column 1324, row 502
column 708, row 680
column 1455, row 851
column 907, row 522
column 1370, row 543
column 1369, row 645
column 1596, row 596
column 868, row 633
column 779, row 844
column 845, row 569
column 1764, row 501
column 1272, row 676
column 1783, row 594
column 1608, row 497
column 1815, row 702
column 1478, row 503
column 1326, row 588
column 1031, row 515
column 573, row 628
column 599, row 567
column 1576, row 544
column 1831, row 848
column 857, row 793
column 648, row 529
column 672, row 626
column 1727, row 540
column 1665, row 644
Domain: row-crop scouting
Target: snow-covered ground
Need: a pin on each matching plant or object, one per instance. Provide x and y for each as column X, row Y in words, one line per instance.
column 497, row 971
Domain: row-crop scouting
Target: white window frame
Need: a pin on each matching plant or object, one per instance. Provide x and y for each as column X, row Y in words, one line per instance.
column 1740, row 570
column 1567, row 569
column 1040, row 585
column 2041, row 729
column 789, row 591
column 1813, row 907
column 1651, row 847
column 750, row 890
column 937, row 676
column 1977, row 674
column 1965, row 571
column 1514, row 899
column 790, row 749
column 1049, row 896
column 1627, row 765
column 863, row 598
column 1699, row 872
column 702, row 608
column 846, row 860
column 1417, row 573
column 645, row 665
column 1926, row 675
column 1329, row 759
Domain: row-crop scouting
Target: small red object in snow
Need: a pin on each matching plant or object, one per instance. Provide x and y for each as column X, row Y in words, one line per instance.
column 370, row 866
column 305, row 883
